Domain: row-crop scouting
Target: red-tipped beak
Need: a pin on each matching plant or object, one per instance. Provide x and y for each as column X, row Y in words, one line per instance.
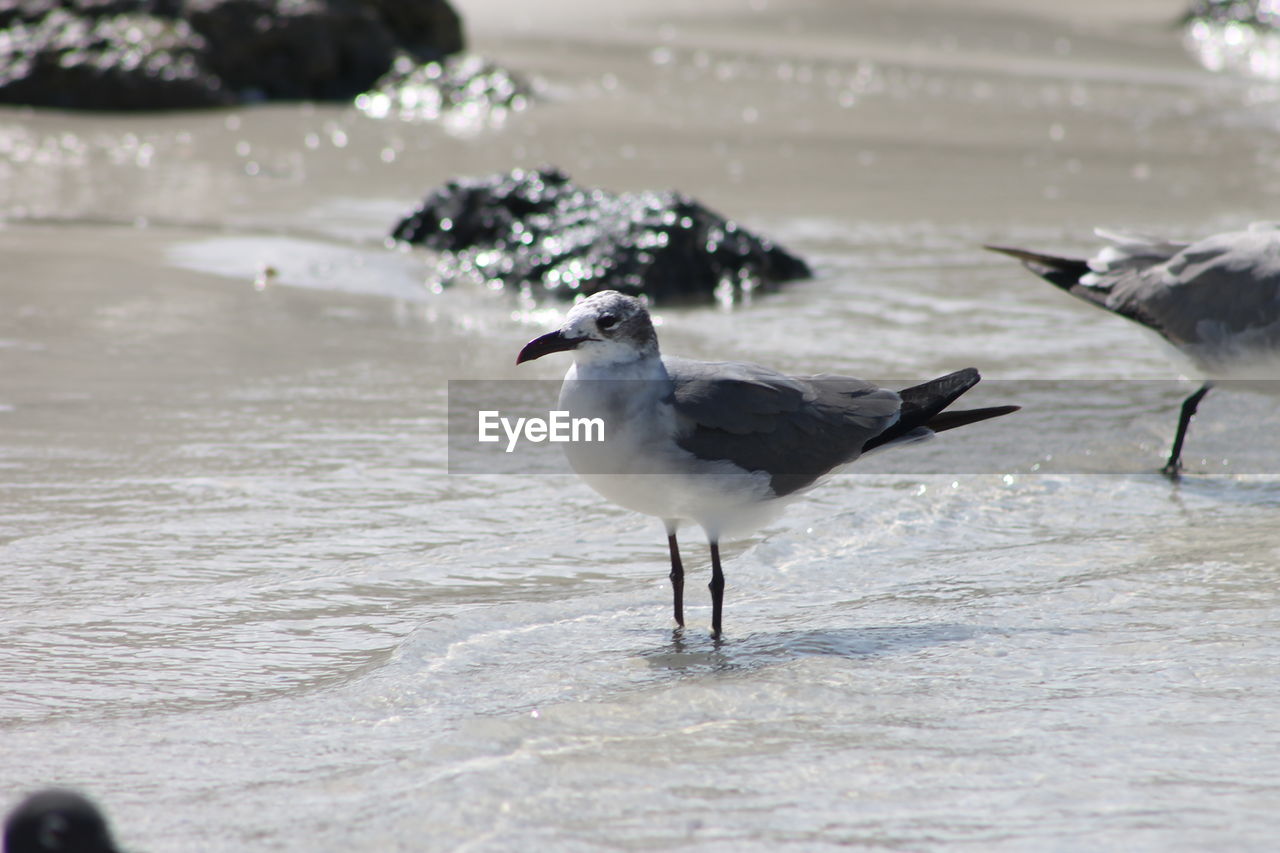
column 548, row 343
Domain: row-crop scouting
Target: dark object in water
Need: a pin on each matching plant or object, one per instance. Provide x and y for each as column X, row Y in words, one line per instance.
column 540, row 230
column 175, row 54
column 471, row 86
column 1238, row 36
column 57, row 821
column 1255, row 12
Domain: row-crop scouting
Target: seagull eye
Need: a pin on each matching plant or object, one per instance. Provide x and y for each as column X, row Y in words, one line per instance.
column 606, row 322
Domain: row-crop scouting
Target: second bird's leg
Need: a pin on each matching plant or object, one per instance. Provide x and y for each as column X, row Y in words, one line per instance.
column 677, row 579
column 717, row 589
column 1173, row 467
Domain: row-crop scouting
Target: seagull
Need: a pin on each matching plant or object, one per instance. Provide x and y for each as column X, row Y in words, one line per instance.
column 57, row 821
column 724, row 445
column 1217, row 301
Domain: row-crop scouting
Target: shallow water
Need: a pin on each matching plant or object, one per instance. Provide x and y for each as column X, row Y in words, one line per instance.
column 245, row 606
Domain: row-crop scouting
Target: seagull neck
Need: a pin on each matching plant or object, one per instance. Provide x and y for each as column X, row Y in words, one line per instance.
column 647, row 366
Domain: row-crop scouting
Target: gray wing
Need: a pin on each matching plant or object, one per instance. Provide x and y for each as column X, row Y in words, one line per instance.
column 795, row 428
column 1221, row 287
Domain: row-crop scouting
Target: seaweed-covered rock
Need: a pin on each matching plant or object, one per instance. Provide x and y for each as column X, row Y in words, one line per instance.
column 159, row 54
column 1242, row 36
column 1262, row 12
column 469, row 86
column 539, row 230
column 125, row 61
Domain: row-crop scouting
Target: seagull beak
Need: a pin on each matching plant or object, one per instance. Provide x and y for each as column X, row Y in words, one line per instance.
column 551, row 342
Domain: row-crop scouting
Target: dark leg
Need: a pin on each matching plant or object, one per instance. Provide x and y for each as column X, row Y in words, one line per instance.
column 1173, row 467
column 717, row 589
column 677, row 579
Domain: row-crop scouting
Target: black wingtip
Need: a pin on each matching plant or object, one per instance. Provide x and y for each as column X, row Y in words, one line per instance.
column 1041, row 258
column 923, row 404
column 944, row 421
column 936, row 394
column 1057, row 270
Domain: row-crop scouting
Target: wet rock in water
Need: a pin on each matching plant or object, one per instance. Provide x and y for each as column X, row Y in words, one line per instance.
column 1241, row 36
column 471, row 87
column 165, row 54
column 124, row 61
column 538, row 230
column 1242, row 11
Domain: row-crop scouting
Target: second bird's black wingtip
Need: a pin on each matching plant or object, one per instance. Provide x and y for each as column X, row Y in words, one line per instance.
column 1058, row 270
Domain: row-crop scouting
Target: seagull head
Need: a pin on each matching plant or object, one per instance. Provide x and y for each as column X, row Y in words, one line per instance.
column 607, row 327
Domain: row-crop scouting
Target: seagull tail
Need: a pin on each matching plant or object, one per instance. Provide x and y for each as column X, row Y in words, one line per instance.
column 923, row 405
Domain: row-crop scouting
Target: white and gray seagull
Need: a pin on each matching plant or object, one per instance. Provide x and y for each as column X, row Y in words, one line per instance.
column 724, row 445
column 1217, row 301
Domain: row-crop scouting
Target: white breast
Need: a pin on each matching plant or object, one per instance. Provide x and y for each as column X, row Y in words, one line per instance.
column 640, row 467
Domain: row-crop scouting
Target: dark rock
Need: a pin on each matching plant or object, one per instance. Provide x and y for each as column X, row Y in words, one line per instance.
column 57, row 819
column 537, row 229
column 324, row 49
column 1235, row 35
column 470, row 86
column 1262, row 13
column 427, row 28
column 119, row 62
column 159, row 54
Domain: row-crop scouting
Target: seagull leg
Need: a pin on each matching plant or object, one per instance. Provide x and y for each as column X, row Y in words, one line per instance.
column 717, row 590
column 677, row 578
column 1173, row 468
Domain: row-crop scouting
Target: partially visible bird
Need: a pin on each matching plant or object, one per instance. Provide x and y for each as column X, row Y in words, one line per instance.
column 1217, row 301
column 57, row 821
column 722, row 444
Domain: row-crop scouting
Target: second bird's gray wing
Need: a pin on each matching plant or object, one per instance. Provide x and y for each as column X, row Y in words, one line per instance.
column 1223, row 287
column 795, row 428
